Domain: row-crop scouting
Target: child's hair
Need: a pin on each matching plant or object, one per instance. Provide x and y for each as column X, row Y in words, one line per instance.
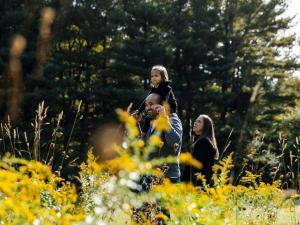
column 163, row 72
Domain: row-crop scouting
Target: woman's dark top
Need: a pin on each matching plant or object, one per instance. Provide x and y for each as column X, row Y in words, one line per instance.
column 204, row 152
column 165, row 91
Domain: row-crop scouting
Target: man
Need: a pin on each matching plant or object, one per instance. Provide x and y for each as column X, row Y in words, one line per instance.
column 171, row 140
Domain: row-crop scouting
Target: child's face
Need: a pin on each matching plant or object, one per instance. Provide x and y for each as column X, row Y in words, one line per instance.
column 155, row 78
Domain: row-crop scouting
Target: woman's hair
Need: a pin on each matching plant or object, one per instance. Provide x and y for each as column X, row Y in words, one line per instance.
column 209, row 132
column 163, row 72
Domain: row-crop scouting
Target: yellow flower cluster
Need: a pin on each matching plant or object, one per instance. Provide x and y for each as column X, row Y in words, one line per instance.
column 129, row 121
column 162, row 123
column 29, row 193
column 91, row 166
column 155, row 140
column 187, row 158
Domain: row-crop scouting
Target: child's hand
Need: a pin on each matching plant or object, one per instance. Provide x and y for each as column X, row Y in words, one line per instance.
column 137, row 115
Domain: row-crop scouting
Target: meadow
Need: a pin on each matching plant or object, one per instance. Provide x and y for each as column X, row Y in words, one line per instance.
column 109, row 192
column 80, row 162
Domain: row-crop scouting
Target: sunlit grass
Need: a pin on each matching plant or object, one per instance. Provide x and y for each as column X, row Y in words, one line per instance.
column 31, row 194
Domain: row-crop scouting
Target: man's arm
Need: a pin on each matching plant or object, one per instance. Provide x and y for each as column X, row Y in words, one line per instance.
column 174, row 136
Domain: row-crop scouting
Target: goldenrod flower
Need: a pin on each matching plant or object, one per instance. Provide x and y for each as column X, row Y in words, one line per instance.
column 139, row 144
column 162, row 123
column 155, row 140
column 187, row 158
column 125, row 117
column 129, row 121
column 162, row 216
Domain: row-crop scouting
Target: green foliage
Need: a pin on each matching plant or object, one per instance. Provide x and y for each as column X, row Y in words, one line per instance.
column 227, row 58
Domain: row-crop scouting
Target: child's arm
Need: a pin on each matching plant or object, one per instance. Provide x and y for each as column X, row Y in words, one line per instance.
column 167, row 94
column 172, row 101
column 163, row 90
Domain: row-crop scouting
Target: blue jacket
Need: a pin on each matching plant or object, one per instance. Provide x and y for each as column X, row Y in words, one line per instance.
column 172, row 146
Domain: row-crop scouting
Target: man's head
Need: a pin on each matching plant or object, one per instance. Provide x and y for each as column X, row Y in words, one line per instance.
column 150, row 102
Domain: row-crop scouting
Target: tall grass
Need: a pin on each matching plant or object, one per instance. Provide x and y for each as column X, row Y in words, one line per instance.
column 111, row 192
column 37, row 144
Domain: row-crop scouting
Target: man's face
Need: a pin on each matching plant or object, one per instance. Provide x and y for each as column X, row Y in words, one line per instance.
column 151, row 101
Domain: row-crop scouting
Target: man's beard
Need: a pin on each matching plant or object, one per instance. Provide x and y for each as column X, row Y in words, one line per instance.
column 150, row 116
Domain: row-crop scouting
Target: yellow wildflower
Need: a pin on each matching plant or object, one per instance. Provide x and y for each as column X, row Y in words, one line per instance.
column 162, row 123
column 155, row 140
column 123, row 162
column 125, row 117
column 250, row 177
column 162, row 216
column 139, row 144
column 129, row 121
column 187, row 158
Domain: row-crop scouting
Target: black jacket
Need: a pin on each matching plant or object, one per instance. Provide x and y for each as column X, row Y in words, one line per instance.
column 204, row 152
column 167, row 95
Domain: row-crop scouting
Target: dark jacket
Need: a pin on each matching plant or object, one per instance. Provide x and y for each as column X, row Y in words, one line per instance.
column 172, row 147
column 167, row 95
column 204, row 152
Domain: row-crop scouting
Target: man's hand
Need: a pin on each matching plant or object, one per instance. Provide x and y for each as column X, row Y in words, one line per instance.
column 137, row 115
column 159, row 109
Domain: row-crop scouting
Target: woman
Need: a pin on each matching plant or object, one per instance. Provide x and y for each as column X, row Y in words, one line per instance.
column 204, row 149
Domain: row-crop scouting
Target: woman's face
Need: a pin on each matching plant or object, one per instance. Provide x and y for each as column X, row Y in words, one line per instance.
column 155, row 78
column 198, row 126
